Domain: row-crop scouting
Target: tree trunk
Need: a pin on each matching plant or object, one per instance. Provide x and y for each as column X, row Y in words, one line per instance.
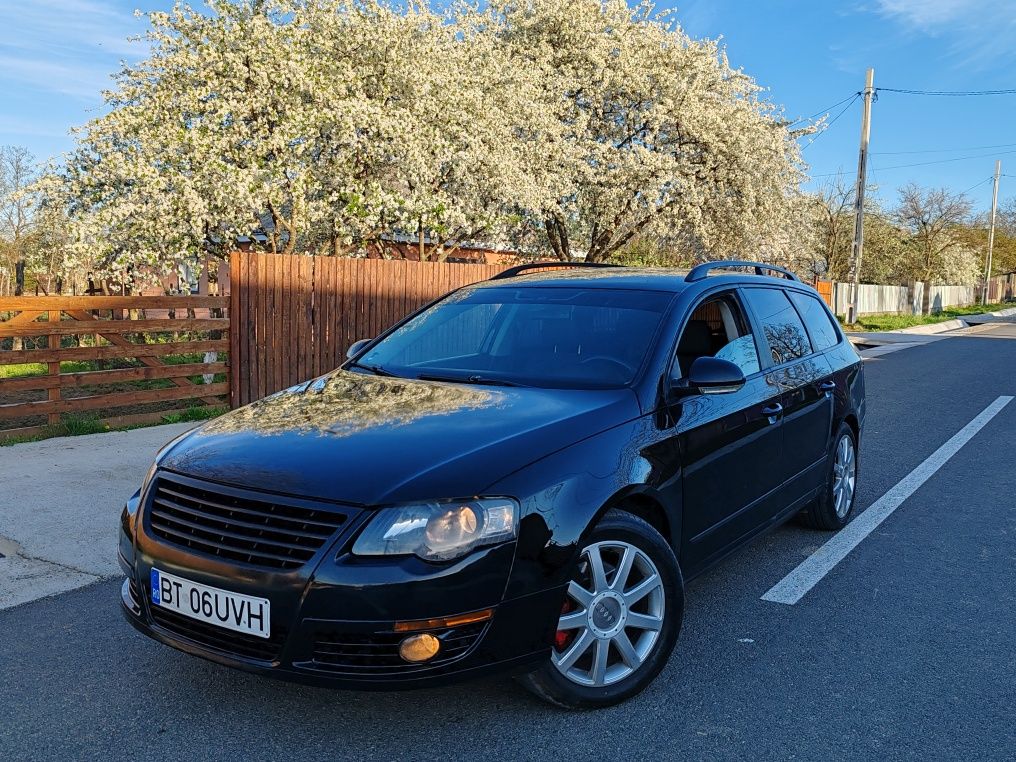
column 19, row 277
column 557, row 236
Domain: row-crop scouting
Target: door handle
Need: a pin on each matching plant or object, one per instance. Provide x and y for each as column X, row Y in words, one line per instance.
column 772, row 410
column 827, row 386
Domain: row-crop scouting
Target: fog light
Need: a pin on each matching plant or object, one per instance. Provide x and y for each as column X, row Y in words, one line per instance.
column 417, row 648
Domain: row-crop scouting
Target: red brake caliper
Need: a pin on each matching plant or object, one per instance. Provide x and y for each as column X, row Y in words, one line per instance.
column 562, row 638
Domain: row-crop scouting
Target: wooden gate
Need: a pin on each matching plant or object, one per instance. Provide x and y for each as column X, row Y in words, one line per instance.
column 295, row 316
column 125, row 346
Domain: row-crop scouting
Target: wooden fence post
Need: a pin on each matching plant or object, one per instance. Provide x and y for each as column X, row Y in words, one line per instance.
column 53, row 316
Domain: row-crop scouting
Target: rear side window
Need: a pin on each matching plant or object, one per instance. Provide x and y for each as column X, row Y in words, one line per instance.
column 780, row 323
column 816, row 317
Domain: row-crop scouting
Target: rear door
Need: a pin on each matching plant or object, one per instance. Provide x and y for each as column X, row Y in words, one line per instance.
column 803, row 377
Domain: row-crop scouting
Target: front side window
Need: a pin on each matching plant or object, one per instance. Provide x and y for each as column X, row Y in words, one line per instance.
column 718, row 328
column 547, row 336
column 818, row 320
column 781, row 325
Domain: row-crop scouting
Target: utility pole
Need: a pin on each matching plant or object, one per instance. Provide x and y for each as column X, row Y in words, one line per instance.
column 862, row 180
column 991, row 231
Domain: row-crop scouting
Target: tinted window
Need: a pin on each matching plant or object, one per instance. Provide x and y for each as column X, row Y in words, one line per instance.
column 536, row 336
column 718, row 328
column 781, row 325
column 820, row 325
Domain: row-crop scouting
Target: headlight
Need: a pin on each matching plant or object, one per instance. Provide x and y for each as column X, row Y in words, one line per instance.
column 439, row 531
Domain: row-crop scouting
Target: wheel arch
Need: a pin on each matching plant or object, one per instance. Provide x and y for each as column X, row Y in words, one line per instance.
column 643, row 501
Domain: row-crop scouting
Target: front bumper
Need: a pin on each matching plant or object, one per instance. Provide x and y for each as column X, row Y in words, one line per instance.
column 511, row 641
column 333, row 619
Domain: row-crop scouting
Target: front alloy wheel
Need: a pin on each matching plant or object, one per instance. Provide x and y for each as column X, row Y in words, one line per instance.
column 609, row 626
column 620, row 620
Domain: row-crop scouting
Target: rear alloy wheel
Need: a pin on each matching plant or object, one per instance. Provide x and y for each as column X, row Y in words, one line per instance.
column 620, row 618
column 833, row 508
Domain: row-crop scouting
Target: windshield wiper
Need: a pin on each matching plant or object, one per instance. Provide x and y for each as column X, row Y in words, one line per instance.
column 483, row 380
column 377, row 370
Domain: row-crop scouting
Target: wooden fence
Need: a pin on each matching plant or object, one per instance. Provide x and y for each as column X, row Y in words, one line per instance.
column 1001, row 288
column 297, row 315
column 137, row 335
column 825, row 290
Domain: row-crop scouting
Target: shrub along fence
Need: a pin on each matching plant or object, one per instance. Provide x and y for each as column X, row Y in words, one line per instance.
column 297, row 315
column 96, row 354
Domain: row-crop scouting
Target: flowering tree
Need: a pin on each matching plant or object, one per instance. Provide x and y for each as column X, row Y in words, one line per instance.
column 421, row 121
column 573, row 126
column 658, row 133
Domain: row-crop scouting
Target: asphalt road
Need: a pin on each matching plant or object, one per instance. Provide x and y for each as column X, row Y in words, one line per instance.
column 906, row 649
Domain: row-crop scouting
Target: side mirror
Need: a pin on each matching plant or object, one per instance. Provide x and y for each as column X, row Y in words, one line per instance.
column 709, row 375
column 356, row 347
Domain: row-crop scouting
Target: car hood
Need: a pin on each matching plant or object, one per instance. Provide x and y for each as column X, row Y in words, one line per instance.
column 373, row 440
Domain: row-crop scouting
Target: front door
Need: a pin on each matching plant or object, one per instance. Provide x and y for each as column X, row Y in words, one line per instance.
column 731, row 448
column 729, row 445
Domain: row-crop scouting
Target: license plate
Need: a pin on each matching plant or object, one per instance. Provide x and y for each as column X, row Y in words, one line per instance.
column 233, row 611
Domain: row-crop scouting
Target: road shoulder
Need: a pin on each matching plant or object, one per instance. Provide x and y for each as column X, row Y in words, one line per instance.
column 61, row 501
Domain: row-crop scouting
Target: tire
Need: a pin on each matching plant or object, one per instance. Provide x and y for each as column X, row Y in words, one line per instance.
column 823, row 513
column 621, row 626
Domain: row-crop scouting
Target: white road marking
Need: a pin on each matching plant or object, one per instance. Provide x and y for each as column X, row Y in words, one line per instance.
column 809, row 573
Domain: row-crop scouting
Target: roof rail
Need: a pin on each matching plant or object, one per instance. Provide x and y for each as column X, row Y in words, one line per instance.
column 511, row 272
column 701, row 271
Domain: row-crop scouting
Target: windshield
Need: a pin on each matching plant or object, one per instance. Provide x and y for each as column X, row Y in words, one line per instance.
column 533, row 336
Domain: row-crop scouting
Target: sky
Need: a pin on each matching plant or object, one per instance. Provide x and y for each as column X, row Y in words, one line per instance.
column 57, row 55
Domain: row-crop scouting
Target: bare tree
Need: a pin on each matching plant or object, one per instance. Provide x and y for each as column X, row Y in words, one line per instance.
column 932, row 217
column 17, row 172
column 834, row 206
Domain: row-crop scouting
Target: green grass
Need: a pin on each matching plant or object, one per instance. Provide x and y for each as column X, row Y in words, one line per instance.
column 74, row 425
column 25, row 370
column 71, row 425
column 893, row 321
column 194, row 414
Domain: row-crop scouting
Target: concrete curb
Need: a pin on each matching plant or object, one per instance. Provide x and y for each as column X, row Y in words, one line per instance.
column 933, row 328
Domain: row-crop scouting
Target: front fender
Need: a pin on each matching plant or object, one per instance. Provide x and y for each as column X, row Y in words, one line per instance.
column 563, row 495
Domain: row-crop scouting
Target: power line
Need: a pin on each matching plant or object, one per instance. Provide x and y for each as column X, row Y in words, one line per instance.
column 944, row 150
column 922, row 164
column 830, row 174
column 831, row 122
column 977, row 185
column 826, row 110
column 945, row 161
column 950, row 93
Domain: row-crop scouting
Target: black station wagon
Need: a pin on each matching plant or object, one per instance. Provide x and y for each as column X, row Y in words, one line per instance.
column 519, row 477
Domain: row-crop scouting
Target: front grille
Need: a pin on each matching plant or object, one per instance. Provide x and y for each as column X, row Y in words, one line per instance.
column 239, row 525
column 378, row 653
column 228, row 641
